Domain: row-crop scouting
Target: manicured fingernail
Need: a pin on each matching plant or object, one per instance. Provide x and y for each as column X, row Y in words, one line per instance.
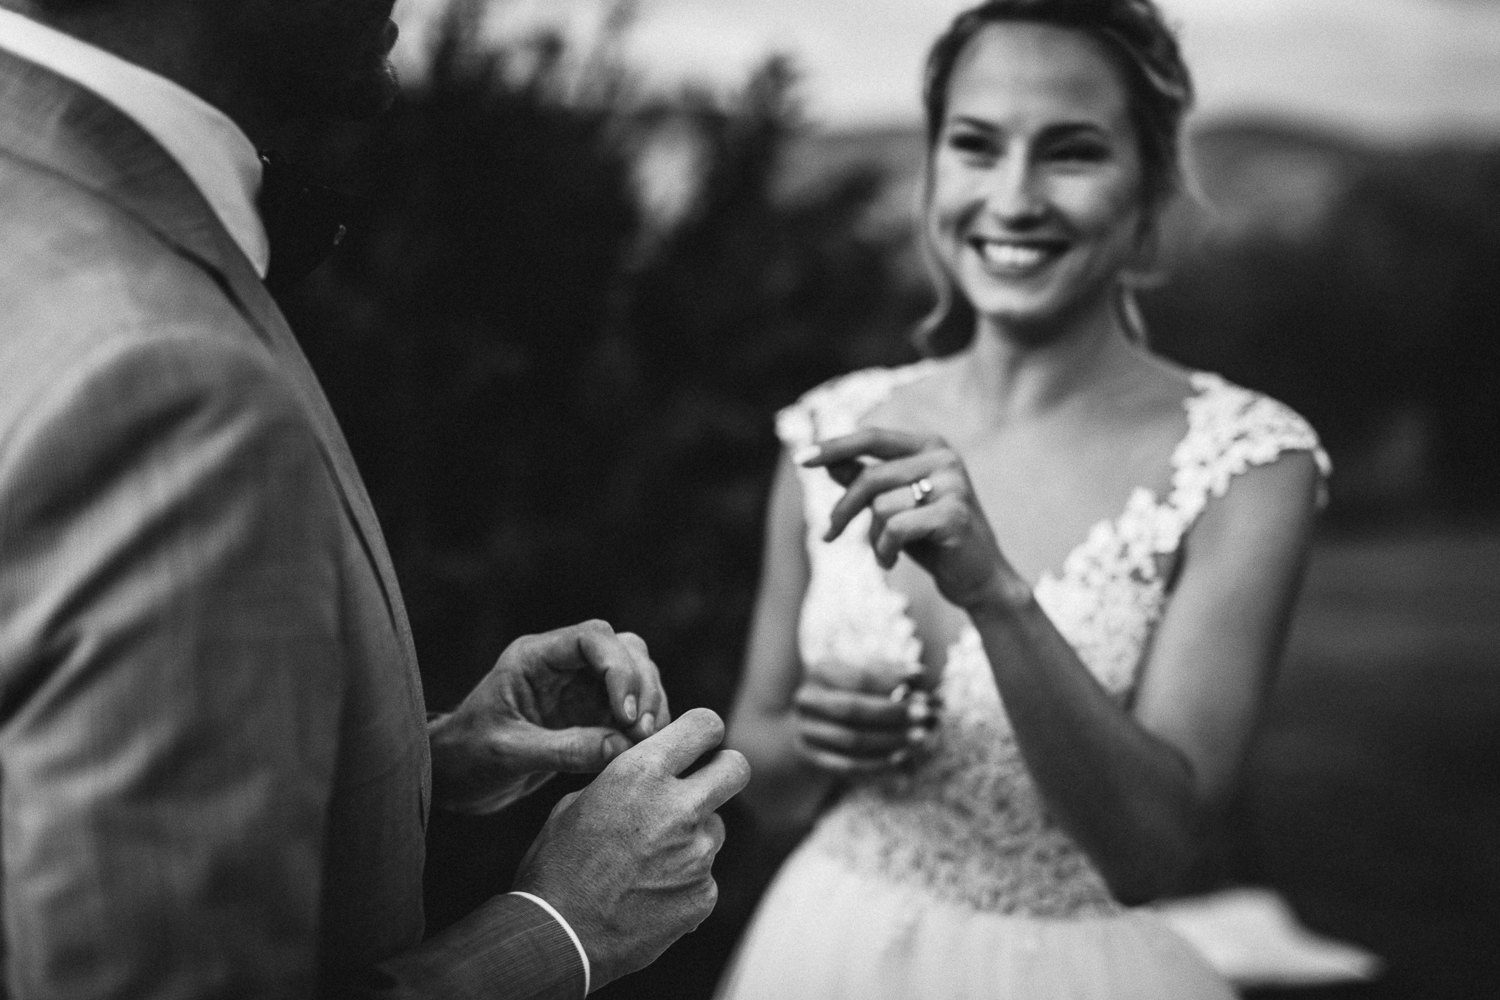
column 806, row 454
column 648, row 724
column 630, row 708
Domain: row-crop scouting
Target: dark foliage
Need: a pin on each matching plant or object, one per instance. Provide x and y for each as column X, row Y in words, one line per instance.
column 1370, row 309
column 562, row 407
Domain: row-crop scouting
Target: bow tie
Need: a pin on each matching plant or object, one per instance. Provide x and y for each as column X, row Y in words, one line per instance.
column 304, row 221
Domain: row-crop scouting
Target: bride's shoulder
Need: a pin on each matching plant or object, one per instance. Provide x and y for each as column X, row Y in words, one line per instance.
column 836, row 406
column 1232, row 429
column 1226, row 410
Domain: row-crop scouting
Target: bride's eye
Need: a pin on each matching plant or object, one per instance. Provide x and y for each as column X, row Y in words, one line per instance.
column 971, row 143
column 1079, row 151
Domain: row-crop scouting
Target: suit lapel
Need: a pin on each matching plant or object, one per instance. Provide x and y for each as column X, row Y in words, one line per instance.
column 60, row 126
column 256, row 304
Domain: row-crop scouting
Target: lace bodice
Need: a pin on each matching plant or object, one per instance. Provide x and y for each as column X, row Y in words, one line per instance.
column 965, row 820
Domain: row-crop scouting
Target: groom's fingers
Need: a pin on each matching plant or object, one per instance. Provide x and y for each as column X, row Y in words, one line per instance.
column 636, row 699
column 690, row 740
column 631, row 680
column 580, row 750
column 717, row 781
column 644, row 684
column 675, row 748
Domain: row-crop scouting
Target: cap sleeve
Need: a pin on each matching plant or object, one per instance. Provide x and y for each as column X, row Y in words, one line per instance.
column 1230, row 430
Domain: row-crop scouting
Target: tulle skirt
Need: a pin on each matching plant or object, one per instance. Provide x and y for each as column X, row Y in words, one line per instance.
column 826, row 932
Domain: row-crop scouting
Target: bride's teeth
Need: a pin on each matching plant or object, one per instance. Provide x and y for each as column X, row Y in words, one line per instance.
column 1012, row 256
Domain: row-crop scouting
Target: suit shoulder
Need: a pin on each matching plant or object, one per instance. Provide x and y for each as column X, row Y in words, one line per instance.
column 131, row 390
column 78, row 265
column 87, row 289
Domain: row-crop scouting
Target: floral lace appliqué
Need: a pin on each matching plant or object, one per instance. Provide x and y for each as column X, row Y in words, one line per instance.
column 966, row 821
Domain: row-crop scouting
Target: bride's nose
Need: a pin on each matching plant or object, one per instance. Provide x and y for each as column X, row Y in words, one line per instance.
column 1012, row 193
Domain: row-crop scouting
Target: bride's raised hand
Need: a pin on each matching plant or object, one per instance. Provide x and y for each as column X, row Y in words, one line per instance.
column 921, row 502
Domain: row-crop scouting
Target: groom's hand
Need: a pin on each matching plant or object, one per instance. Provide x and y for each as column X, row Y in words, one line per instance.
column 627, row 861
column 569, row 700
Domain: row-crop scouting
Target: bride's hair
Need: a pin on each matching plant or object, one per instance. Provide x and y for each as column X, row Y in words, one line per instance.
column 1158, row 90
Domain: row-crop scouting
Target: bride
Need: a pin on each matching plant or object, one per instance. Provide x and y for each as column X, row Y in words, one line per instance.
column 1023, row 601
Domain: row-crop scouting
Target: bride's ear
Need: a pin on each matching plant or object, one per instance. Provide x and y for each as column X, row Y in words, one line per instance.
column 1130, row 315
column 1144, row 268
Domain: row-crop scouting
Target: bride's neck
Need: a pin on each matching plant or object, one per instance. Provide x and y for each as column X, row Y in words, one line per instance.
column 1010, row 377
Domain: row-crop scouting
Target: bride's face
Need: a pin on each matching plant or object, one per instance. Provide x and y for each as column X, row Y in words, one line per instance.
column 1036, row 187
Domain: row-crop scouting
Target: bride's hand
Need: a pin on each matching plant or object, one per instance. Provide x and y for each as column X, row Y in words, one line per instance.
column 920, row 502
column 848, row 732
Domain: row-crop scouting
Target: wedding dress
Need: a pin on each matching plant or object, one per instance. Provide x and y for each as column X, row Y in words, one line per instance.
column 948, row 878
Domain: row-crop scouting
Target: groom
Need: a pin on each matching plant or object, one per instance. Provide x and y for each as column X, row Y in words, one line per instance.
column 215, row 765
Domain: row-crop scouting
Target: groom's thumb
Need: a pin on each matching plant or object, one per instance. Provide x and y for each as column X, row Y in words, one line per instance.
column 581, row 750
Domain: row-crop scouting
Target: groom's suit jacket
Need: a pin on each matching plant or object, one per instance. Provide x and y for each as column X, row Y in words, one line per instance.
column 214, row 776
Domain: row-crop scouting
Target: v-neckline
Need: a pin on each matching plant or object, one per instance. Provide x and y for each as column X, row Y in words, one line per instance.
column 1140, row 498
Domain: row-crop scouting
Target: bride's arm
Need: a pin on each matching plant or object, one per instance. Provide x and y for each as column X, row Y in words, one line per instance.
column 799, row 738
column 1134, row 787
column 783, row 790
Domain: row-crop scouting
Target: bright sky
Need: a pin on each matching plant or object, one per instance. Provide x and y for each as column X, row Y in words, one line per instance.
column 1400, row 69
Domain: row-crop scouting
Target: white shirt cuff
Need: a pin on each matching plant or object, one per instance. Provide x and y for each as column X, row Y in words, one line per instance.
column 583, row 955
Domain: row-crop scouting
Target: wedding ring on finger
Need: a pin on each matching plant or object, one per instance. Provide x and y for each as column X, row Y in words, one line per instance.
column 921, row 490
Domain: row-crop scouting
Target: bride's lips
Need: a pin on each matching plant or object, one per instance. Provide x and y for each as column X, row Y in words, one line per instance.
column 1016, row 258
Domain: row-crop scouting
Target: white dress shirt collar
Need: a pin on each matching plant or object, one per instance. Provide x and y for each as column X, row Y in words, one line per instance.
column 218, row 157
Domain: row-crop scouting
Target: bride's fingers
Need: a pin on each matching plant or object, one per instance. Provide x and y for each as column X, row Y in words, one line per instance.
column 882, row 478
column 918, row 524
column 945, row 488
column 876, row 442
column 858, row 743
column 848, row 766
column 840, row 705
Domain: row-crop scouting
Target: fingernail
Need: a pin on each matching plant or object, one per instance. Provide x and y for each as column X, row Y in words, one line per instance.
column 806, row 454
column 901, row 756
column 614, row 746
column 630, row 708
column 900, row 692
column 648, row 724
column 917, row 711
column 916, row 734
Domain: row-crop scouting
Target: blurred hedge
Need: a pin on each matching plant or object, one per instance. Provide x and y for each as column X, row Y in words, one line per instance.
column 562, row 404
column 561, row 398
